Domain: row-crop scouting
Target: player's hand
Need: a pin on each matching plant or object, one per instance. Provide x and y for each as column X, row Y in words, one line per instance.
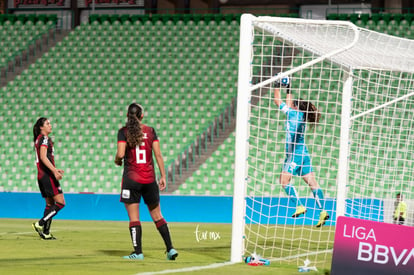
column 162, row 183
column 118, row 162
column 58, row 174
column 283, row 82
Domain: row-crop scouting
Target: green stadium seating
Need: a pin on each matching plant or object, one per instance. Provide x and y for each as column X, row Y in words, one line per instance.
column 102, row 66
column 182, row 68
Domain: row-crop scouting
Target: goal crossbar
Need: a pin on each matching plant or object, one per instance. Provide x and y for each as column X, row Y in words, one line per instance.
column 359, row 53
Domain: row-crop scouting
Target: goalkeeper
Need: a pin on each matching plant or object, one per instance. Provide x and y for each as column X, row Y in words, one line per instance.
column 298, row 161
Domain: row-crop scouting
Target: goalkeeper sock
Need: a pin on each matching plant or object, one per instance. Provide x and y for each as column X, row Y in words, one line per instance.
column 165, row 233
column 318, row 194
column 135, row 230
column 293, row 195
column 53, row 210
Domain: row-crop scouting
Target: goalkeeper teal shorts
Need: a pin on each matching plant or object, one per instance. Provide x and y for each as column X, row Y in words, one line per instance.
column 297, row 164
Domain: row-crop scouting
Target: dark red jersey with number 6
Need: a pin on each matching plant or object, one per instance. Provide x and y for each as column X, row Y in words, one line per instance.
column 138, row 162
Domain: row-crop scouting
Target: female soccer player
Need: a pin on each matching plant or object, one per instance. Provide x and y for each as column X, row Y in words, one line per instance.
column 48, row 177
column 298, row 161
column 136, row 143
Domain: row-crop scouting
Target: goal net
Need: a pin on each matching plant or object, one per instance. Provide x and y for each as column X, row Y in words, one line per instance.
column 361, row 150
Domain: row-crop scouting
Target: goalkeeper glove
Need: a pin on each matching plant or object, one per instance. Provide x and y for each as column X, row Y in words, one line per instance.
column 283, row 82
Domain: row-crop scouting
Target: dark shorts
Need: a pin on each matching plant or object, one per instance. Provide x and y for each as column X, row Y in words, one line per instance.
column 399, row 220
column 49, row 186
column 132, row 191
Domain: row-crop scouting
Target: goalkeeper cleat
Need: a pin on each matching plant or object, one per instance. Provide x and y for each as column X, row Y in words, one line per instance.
column 323, row 216
column 48, row 237
column 134, row 256
column 172, row 254
column 300, row 210
column 38, row 228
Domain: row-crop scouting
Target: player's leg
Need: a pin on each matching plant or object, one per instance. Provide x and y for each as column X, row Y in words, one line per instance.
column 151, row 195
column 55, row 201
column 46, row 227
column 317, row 192
column 135, row 230
column 285, row 178
column 131, row 197
column 162, row 227
column 57, row 205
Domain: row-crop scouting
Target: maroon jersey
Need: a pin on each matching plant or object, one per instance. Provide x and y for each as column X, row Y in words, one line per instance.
column 138, row 162
column 41, row 167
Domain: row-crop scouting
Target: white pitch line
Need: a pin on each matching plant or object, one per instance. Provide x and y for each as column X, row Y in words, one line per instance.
column 187, row 269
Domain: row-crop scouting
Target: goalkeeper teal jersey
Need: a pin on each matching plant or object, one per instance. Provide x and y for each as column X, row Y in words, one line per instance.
column 297, row 161
column 295, row 130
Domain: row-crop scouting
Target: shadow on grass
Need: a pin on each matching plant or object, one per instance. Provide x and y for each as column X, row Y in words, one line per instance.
column 220, row 253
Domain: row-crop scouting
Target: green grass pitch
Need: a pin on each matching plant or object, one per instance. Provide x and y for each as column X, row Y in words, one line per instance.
column 96, row 247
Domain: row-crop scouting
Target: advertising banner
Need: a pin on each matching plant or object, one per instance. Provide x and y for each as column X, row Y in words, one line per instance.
column 367, row 247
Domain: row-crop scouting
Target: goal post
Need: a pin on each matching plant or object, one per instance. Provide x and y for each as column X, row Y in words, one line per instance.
column 362, row 84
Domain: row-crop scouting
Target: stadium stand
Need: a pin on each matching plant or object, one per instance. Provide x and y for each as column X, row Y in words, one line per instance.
column 182, row 68
column 184, row 74
column 21, row 35
column 394, row 24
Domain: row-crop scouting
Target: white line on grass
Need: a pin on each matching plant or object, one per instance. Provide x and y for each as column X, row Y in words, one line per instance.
column 187, row 269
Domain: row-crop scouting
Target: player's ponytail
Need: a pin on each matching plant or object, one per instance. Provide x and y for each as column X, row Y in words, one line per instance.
column 312, row 114
column 133, row 125
column 36, row 128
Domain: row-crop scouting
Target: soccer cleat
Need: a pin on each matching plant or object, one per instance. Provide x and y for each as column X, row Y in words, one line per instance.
column 323, row 216
column 172, row 254
column 48, row 237
column 300, row 210
column 134, row 256
column 38, row 228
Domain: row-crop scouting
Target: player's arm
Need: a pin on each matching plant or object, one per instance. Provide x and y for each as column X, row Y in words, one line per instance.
column 284, row 82
column 160, row 161
column 120, row 152
column 43, row 158
column 289, row 98
column 277, row 99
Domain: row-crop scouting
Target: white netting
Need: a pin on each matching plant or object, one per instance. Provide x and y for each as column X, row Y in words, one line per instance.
column 320, row 56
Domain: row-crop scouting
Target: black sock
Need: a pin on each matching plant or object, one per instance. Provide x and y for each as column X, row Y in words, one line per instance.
column 46, row 227
column 165, row 233
column 135, row 230
column 53, row 210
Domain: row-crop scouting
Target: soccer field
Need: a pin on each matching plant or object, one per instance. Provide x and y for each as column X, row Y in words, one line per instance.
column 96, row 247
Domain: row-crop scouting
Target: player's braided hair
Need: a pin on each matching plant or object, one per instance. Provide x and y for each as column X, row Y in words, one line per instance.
column 36, row 128
column 133, row 125
column 311, row 113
